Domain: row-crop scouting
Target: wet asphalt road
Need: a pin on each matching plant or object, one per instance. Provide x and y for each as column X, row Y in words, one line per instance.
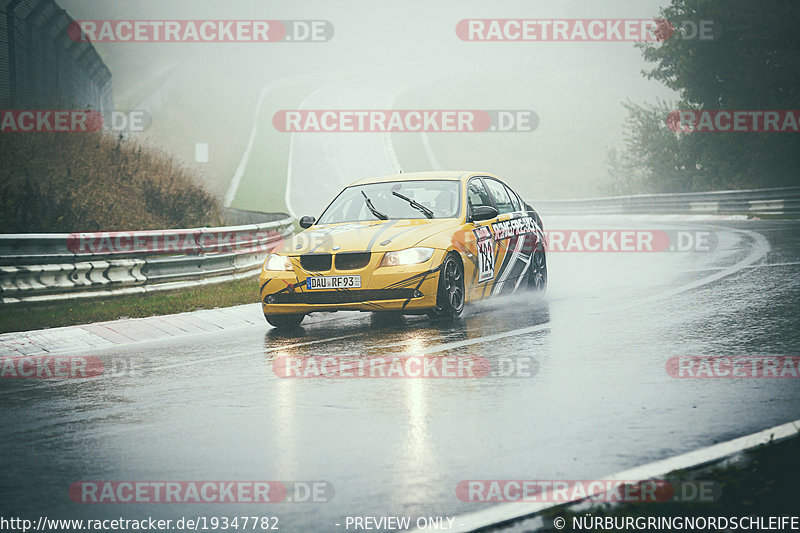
column 210, row 407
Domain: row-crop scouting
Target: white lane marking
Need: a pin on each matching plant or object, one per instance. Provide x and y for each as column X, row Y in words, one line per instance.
column 289, row 175
column 555, row 214
column 391, row 155
column 233, row 187
column 287, row 192
column 426, row 145
column 517, row 510
column 760, row 250
column 763, row 265
column 757, row 253
column 480, row 340
column 429, row 151
column 237, row 176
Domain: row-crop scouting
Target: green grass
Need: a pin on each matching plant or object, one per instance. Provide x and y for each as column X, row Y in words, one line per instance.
column 24, row 316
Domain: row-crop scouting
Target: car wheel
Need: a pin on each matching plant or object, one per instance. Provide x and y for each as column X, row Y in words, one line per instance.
column 537, row 272
column 285, row 321
column 450, row 296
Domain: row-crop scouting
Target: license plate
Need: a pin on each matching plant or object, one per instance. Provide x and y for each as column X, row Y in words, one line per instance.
column 333, row 282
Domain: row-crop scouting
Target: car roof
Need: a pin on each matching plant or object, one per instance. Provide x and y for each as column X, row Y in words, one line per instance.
column 455, row 175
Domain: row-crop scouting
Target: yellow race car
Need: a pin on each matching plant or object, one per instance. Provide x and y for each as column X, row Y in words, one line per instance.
column 416, row 243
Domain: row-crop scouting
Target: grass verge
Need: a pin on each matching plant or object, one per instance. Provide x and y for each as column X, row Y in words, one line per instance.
column 58, row 182
column 24, row 317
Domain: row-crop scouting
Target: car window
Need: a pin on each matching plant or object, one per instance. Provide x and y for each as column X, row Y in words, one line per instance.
column 500, row 195
column 440, row 198
column 477, row 195
column 515, row 201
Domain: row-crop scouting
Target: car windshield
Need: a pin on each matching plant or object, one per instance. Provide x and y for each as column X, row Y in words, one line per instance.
column 396, row 200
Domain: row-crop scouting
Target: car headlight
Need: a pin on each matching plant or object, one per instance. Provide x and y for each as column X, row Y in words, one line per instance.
column 409, row 256
column 277, row 262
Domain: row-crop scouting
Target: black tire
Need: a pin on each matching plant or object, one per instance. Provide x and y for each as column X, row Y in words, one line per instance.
column 537, row 272
column 285, row 321
column 450, row 295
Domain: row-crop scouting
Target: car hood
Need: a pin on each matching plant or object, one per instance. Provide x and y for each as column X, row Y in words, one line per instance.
column 374, row 236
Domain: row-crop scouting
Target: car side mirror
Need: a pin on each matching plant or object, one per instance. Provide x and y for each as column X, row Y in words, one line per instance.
column 307, row 222
column 484, row 212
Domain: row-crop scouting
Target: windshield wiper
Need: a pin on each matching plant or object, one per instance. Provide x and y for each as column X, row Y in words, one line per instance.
column 372, row 209
column 416, row 205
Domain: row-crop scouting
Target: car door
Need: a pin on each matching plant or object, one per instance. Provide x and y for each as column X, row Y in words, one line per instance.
column 514, row 234
column 481, row 247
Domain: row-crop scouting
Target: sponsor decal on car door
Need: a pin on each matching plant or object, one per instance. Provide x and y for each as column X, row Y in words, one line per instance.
column 514, row 236
column 486, row 258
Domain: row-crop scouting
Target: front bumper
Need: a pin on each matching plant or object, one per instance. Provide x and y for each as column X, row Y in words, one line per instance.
column 409, row 288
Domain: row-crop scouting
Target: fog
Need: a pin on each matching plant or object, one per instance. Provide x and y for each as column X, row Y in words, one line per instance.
column 406, row 53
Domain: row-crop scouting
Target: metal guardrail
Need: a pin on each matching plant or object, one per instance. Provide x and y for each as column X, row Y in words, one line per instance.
column 55, row 266
column 777, row 201
column 43, row 267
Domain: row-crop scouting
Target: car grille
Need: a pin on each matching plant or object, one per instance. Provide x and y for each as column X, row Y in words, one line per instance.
column 352, row 260
column 342, row 297
column 316, row 262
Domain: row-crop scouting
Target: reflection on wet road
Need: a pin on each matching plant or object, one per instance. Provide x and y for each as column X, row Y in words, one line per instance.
column 211, row 407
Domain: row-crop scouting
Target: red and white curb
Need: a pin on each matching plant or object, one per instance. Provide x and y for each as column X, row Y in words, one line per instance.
column 129, row 331
column 509, row 512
